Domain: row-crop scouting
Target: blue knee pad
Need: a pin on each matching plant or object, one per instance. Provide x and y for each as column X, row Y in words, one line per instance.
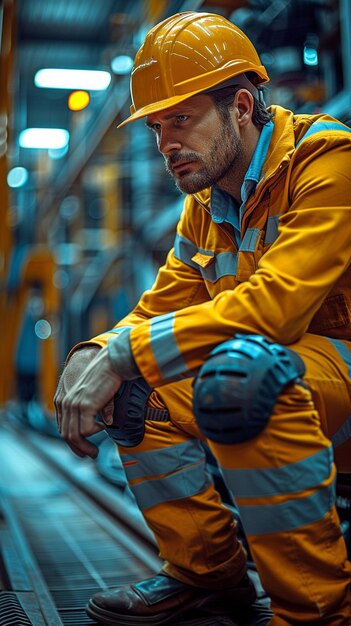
column 237, row 387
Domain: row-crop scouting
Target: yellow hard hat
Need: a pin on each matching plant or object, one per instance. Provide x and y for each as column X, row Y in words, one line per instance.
column 185, row 54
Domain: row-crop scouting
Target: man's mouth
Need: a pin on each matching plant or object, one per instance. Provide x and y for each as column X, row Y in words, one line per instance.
column 178, row 167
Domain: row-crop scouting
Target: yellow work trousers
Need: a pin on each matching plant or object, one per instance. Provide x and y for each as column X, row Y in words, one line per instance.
column 283, row 482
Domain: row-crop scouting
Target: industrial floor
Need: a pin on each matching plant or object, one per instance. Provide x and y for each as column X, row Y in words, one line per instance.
column 66, row 532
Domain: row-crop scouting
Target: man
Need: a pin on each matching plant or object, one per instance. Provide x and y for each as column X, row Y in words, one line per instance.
column 254, row 301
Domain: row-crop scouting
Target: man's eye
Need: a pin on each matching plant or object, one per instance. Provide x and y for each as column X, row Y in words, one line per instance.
column 182, row 118
column 154, row 127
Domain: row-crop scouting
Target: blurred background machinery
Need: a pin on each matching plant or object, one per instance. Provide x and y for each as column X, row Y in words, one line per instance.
column 87, row 216
column 87, row 213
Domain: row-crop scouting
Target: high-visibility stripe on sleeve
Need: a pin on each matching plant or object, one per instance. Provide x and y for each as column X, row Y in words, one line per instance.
column 185, row 465
column 289, row 515
column 119, row 329
column 322, row 126
column 272, row 229
column 165, row 348
column 292, row 478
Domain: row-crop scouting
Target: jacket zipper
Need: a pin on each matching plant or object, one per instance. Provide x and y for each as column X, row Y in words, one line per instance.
column 282, row 167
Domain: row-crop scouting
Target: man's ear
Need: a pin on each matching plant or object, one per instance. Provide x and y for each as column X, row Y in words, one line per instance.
column 244, row 103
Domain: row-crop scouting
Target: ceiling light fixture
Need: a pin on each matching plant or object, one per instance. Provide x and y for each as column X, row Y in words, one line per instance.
column 310, row 50
column 122, row 64
column 92, row 80
column 310, row 55
column 17, row 177
column 59, row 153
column 47, row 138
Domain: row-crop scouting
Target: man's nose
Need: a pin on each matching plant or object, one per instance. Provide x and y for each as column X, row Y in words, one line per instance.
column 168, row 143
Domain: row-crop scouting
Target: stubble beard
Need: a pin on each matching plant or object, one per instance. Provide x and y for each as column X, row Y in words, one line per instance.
column 218, row 163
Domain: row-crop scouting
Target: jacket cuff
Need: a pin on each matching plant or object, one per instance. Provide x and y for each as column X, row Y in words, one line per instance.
column 121, row 356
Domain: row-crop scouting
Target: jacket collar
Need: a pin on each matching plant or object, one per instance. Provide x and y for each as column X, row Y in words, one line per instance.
column 281, row 148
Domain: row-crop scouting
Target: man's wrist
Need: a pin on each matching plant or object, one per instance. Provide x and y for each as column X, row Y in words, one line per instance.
column 121, row 356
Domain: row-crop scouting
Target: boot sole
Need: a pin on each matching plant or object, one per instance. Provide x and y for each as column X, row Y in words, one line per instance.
column 113, row 619
column 198, row 611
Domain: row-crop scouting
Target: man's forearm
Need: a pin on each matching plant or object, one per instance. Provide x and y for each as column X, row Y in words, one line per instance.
column 121, row 356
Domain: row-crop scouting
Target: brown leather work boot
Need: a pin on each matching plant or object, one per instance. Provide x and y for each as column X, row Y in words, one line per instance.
column 164, row 600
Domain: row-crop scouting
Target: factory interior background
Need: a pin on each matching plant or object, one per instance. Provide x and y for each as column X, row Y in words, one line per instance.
column 87, row 217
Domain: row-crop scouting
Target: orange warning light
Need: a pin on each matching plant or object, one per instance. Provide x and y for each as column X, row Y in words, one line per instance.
column 78, row 100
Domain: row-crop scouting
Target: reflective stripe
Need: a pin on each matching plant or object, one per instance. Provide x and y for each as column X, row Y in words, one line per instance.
column 272, row 229
column 165, row 348
column 119, row 329
column 183, row 484
column 187, row 464
column 343, row 351
column 250, row 240
column 184, row 250
column 253, row 173
column 343, row 434
column 292, row 478
column 278, row 518
column 162, row 461
column 319, row 127
column 226, row 264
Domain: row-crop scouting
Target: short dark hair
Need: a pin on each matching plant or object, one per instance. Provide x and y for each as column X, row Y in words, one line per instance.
column 224, row 99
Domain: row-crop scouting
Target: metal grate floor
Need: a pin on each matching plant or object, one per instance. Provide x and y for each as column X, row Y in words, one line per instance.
column 58, row 546
column 77, row 548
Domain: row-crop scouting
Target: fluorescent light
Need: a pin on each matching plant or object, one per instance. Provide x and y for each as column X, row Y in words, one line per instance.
column 55, row 154
column 93, row 80
column 17, row 177
column 122, row 64
column 50, row 138
column 310, row 55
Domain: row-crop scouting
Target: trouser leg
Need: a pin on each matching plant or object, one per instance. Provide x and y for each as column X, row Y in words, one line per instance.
column 196, row 534
column 328, row 374
column 283, row 481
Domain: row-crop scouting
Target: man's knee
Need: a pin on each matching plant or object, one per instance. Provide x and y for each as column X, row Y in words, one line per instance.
column 237, row 387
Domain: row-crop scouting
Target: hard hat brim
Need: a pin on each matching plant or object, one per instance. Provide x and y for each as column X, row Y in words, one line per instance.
column 156, row 107
column 161, row 105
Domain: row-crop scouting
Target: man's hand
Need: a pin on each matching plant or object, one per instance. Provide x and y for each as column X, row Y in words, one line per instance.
column 86, row 388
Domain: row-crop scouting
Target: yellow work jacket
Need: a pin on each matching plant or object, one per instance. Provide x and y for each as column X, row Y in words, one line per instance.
column 291, row 273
